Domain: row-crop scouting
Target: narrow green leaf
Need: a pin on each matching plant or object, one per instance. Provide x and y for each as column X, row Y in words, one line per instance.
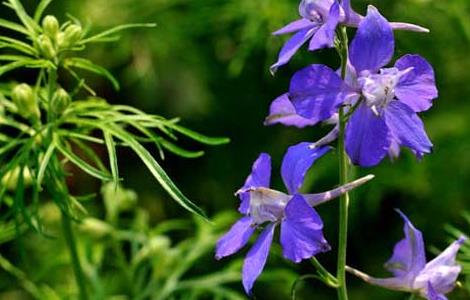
column 87, row 168
column 89, row 66
column 13, row 26
column 7, row 42
column 154, row 168
column 34, row 64
column 105, row 35
column 113, row 162
column 27, row 21
column 44, row 163
column 179, row 151
column 212, row 141
column 40, row 10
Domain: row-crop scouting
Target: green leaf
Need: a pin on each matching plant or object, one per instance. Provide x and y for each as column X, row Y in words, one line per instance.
column 44, row 163
column 34, row 64
column 7, row 42
column 105, row 36
column 88, row 65
column 179, row 151
column 212, row 141
column 153, row 166
column 40, row 10
column 13, row 26
column 87, row 168
column 108, row 138
column 27, row 21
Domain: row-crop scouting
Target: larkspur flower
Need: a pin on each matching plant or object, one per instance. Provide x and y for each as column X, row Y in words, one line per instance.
column 386, row 100
column 412, row 274
column 301, row 234
column 318, row 22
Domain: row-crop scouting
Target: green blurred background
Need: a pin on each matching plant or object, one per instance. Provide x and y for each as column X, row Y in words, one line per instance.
column 207, row 62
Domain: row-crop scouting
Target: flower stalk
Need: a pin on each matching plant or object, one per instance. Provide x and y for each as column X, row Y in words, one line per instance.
column 343, row 177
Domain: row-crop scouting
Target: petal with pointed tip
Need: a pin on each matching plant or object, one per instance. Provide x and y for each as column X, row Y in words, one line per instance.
column 294, row 26
column 260, row 177
column 297, row 160
column 256, row 258
column 283, row 112
column 235, row 238
column 373, row 45
column 325, row 36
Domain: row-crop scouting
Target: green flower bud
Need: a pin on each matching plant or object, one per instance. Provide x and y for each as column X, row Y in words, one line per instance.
column 96, row 228
column 72, row 35
column 47, row 47
column 60, row 101
column 10, row 180
column 25, row 100
column 50, row 26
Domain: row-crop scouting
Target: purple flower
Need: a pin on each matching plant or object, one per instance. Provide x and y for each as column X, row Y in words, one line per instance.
column 389, row 98
column 318, row 22
column 431, row 280
column 301, row 233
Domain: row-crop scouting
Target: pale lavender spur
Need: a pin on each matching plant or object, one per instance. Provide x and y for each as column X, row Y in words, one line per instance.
column 301, row 233
column 412, row 274
column 318, row 22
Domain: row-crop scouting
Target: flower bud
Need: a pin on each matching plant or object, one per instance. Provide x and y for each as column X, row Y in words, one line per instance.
column 10, row 179
column 47, row 47
column 25, row 100
column 72, row 34
column 50, row 26
column 96, row 228
column 60, row 101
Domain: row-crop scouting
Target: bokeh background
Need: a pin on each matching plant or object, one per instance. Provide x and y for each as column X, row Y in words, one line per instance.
column 207, row 62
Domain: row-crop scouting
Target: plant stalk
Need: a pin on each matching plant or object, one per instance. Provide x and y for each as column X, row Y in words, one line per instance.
column 343, row 178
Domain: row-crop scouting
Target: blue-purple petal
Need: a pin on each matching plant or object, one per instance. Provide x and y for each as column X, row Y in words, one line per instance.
column 292, row 45
column 432, row 294
column 367, row 137
column 417, row 88
column 373, row 45
column 316, row 91
column 235, row 239
column 352, row 18
column 256, row 258
column 301, row 231
column 409, row 256
column 325, row 36
column 260, row 177
column 282, row 111
column 297, row 160
column 407, row 128
column 294, row 26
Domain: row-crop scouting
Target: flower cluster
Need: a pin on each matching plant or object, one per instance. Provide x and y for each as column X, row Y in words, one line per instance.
column 374, row 110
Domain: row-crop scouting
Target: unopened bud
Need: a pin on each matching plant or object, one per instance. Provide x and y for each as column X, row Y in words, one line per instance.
column 10, row 179
column 96, row 228
column 25, row 100
column 72, row 35
column 50, row 26
column 47, row 47
column 61, row 101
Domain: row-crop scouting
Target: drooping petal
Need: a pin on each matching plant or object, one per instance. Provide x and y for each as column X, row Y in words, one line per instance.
column 260, row 177
column 442, row 271
column 294, row 26
column 325, row 36
column 283, row 112
column 392, row 283
column 367, row 137
column 235, row 238
column 433, row 295
column 297, row 160
column 409, row 256
column 416, row 88
column 292, row 45
column 301, row 231
column 316, row 91
column 256, row 258
column 373, row 45
column 407, row 128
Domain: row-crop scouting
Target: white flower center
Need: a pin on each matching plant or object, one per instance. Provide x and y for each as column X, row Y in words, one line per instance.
column 267, row 205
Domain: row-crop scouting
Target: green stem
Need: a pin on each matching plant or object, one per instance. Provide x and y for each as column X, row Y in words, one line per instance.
column 343, row 179
column 77, row 269
column 325, row 276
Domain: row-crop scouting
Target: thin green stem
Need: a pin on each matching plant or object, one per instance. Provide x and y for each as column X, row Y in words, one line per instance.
column 343, row 179
column 325, row 276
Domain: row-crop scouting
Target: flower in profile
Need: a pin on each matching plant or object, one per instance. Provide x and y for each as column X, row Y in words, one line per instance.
column 318, row 22
column 385, row 100
column 301, row 233
column 412, row 274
